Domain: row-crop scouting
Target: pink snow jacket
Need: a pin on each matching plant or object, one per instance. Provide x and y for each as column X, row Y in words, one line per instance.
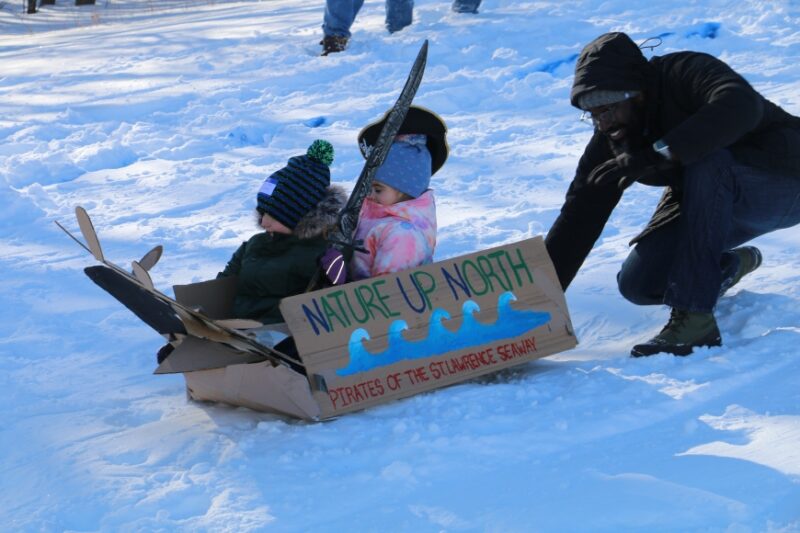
column 396, row 237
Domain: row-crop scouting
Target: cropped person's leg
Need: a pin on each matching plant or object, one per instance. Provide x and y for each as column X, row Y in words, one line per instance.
column 399, row 14
column 339, row 16
column 466, row 6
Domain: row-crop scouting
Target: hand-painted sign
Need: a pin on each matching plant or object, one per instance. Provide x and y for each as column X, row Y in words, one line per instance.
column 420, row 329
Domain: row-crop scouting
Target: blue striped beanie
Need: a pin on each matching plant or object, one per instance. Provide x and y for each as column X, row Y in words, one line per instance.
column 291, row 192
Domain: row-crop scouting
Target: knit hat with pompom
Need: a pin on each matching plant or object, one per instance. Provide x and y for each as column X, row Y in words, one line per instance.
column 291, row 192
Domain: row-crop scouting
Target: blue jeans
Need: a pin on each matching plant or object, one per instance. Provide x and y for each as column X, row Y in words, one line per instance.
column 466, row 6
column 340, row 14
column 724, row 205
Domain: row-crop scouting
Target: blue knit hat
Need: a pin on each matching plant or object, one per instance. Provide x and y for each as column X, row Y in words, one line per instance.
column 407, row 166
column 291, row 192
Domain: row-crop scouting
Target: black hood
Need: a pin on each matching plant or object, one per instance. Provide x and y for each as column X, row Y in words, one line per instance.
column 612, row 62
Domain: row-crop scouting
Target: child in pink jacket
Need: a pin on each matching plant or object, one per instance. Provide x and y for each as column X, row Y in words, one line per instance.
column 397, row 224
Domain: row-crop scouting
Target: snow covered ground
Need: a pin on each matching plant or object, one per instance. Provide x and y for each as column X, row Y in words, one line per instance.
column 162, row 118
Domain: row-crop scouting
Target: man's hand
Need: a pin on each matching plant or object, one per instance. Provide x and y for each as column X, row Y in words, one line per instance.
column 626, row 168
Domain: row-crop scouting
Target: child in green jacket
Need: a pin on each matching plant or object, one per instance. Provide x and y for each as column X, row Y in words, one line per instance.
column 295, row 206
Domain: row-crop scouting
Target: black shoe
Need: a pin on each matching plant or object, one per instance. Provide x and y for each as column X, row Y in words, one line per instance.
column 333, row 43
column 683, row 333
column 749, row 259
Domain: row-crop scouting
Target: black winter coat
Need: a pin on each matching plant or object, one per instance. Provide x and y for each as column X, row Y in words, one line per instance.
column 270, row 267
column 694, row 102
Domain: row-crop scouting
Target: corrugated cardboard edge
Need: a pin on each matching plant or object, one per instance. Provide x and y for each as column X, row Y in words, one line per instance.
column 259, row 386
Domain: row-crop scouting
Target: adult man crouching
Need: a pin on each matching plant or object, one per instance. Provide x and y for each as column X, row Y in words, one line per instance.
column 729, row 161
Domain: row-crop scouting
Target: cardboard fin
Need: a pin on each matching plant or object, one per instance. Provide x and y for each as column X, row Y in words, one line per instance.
column 149, row 260
column 199, row 354
column 89, row 234
column 141, row 275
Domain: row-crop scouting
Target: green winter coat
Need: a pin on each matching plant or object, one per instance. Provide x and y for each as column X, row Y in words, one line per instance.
column 271, row 267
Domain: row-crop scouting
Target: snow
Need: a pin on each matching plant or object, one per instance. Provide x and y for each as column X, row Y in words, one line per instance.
column 162, row 118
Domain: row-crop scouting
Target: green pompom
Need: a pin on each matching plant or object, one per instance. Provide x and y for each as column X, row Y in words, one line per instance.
column 322, row 151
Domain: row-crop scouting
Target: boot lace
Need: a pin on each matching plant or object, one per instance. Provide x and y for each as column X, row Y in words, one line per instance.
column 677, row 318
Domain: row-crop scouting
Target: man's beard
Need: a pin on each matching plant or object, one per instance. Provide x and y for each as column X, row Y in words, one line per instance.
column 634, row 138
column 632, row 142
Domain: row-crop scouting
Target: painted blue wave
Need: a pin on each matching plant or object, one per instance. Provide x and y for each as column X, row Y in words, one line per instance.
column 440, row 340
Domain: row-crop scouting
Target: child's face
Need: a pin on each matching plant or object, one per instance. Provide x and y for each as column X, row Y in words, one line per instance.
column 273, row 226
column 385, row 195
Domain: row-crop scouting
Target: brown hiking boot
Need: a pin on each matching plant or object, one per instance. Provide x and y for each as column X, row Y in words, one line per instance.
column 683, row 333
column 333, row 43
column 749, row 259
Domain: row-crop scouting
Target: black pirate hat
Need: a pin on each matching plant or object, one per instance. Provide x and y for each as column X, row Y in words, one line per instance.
column 418, row 120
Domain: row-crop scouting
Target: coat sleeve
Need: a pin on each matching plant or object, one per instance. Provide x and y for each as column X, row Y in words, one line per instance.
column 722, row 106
column 400, row 246
column 583, row 215
column 234, row 265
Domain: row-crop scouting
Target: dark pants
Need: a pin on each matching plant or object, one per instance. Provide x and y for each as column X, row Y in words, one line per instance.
column 724, row 205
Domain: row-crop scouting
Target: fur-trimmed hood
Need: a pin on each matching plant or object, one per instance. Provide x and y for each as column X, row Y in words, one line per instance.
column 318, row 220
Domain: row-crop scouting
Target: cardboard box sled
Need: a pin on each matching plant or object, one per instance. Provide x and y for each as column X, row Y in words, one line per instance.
column 366, row 343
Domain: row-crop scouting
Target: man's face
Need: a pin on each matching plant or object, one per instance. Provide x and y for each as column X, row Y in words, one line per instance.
column 622, row 123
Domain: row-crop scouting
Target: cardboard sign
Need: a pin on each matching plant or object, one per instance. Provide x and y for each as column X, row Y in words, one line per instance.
column 393, row 336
